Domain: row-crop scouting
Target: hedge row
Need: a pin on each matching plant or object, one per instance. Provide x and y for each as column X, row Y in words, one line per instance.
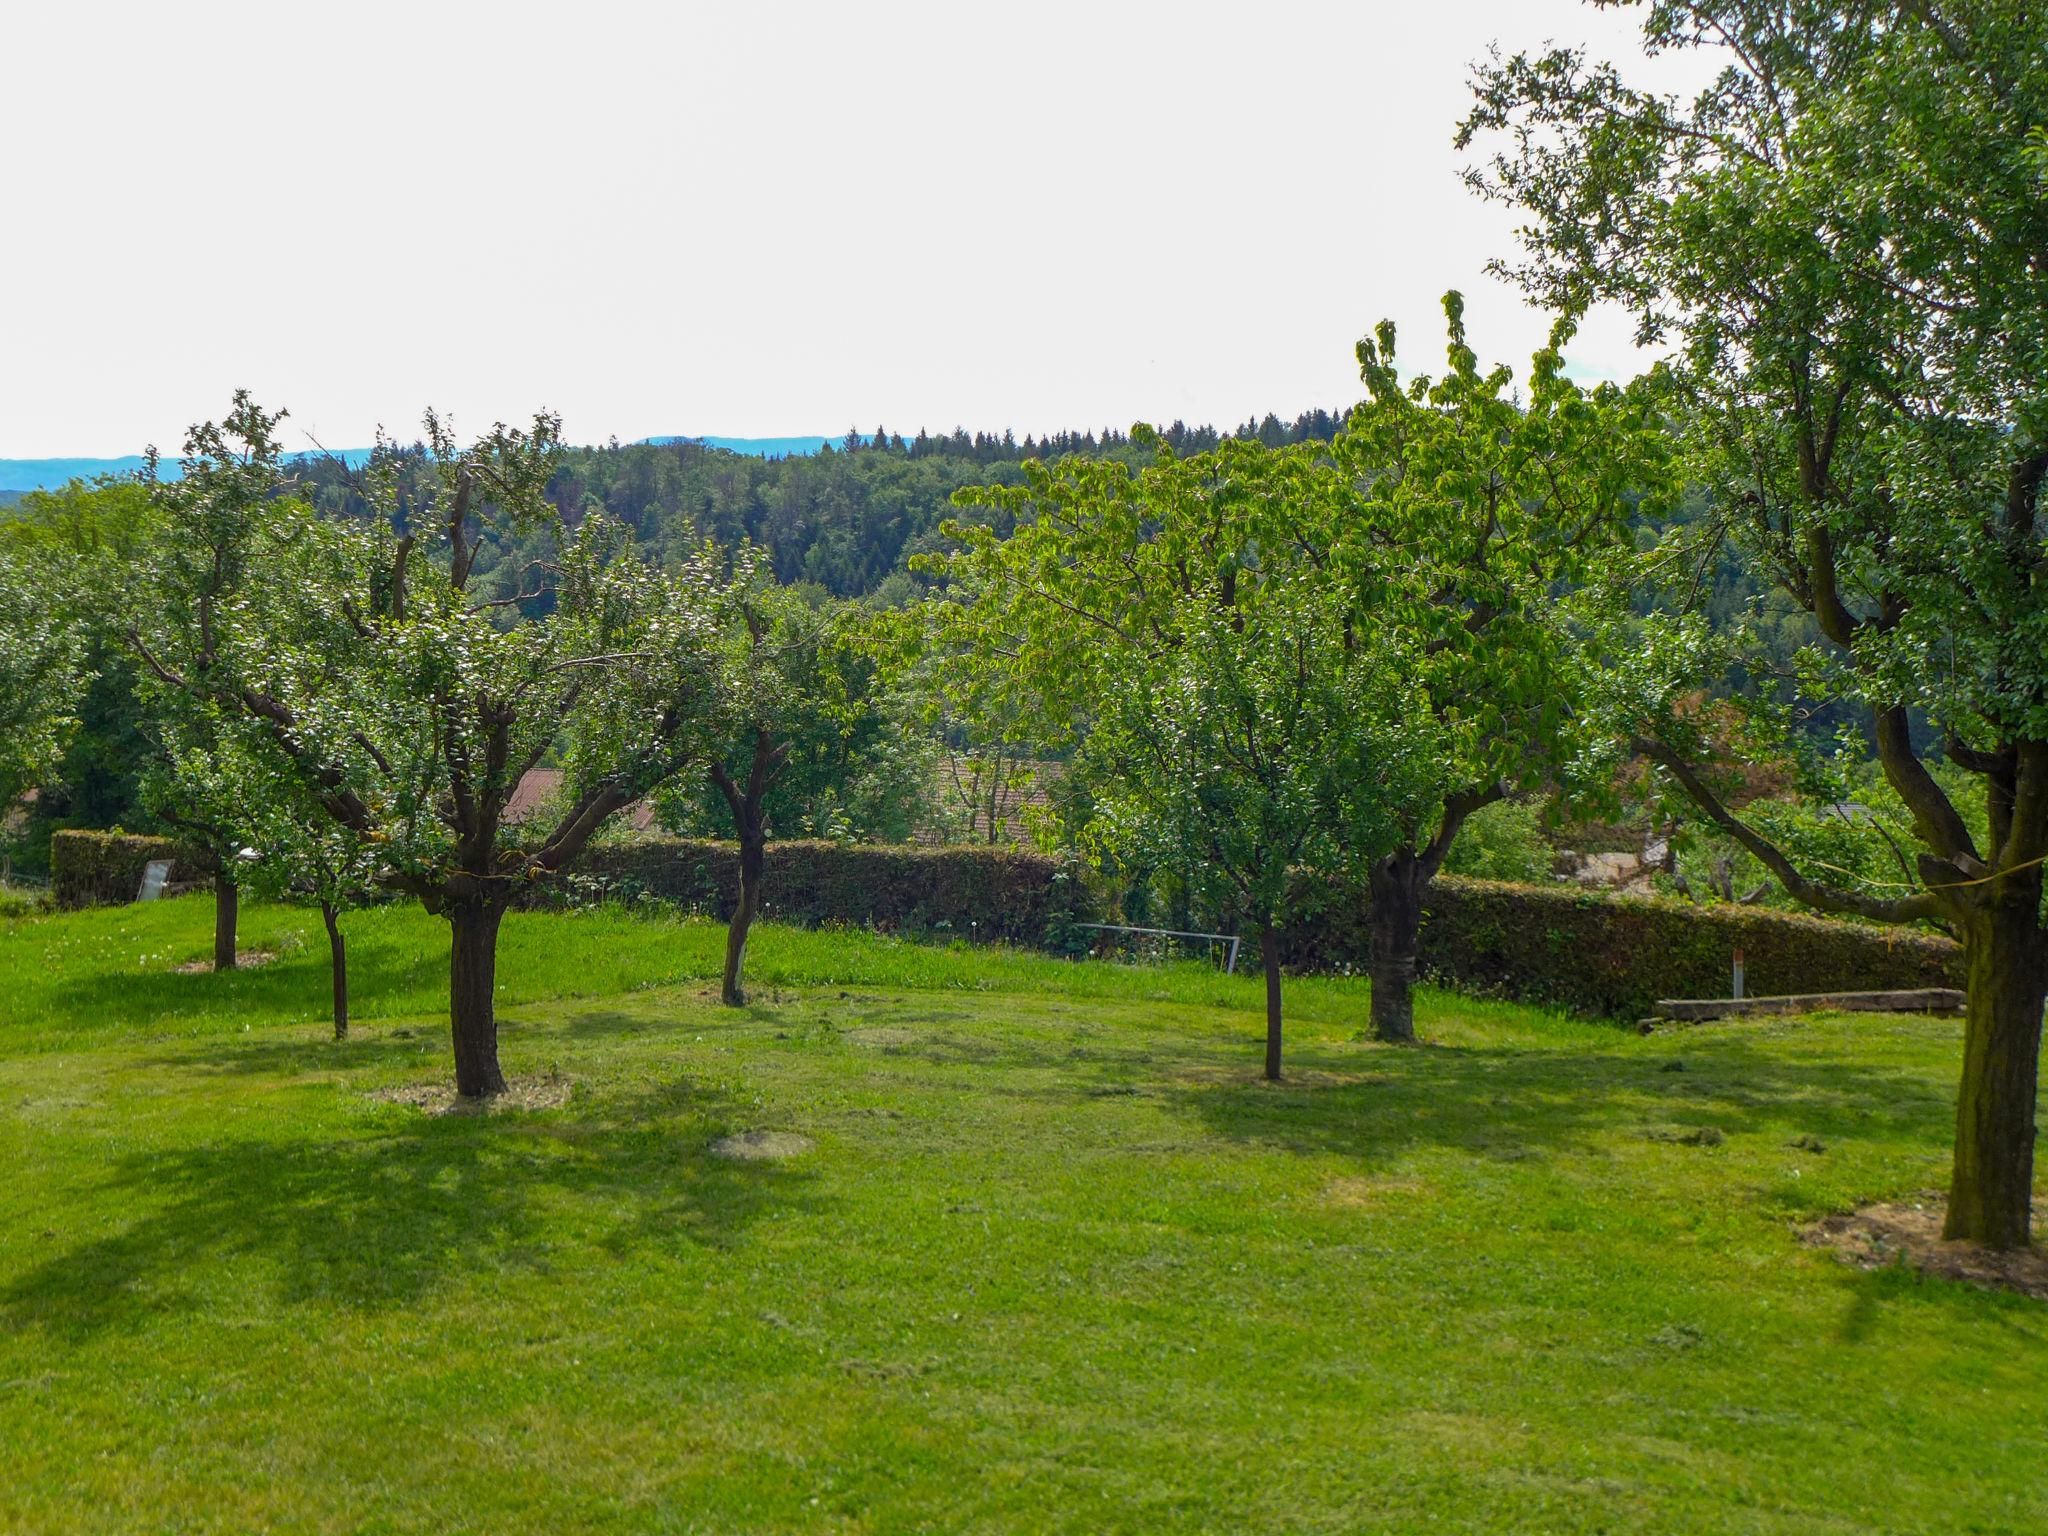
column 979, row 893
column 94, row 869
column 1614, row 955
column 1591, row 953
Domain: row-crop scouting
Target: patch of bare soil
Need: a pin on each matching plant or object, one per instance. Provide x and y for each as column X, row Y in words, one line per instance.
column 1881, row 1235
column 1371, row 1194
column 882, row 1035
column 761, row 1146
column 245, row 959
column 550, row 1092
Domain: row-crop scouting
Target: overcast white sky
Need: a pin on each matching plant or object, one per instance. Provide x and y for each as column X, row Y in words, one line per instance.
column 741, row 218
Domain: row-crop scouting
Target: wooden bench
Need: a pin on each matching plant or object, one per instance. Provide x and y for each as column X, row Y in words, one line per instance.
column 1697, row 1010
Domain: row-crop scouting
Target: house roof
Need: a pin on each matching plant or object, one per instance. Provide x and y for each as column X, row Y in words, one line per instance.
column 1012, row 801
column 539, row 789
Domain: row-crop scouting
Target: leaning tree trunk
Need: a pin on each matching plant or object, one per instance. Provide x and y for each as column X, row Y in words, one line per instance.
column 337, row 953
column 472, row 982
column 753, row 855
column 227, row 904
column 1991, row 1186
column 1395, row 888
column 1269, row 952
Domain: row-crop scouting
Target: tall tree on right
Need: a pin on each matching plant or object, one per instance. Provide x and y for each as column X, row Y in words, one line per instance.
column 1844, row 237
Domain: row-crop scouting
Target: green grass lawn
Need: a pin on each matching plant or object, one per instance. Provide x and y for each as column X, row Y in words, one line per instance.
column 1058, row 1261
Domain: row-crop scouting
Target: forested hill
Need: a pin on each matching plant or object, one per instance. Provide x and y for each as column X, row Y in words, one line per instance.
column 844, row 513
column 847, row 517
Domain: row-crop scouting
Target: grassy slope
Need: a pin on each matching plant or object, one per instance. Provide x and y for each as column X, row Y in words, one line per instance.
column 1058, row 1262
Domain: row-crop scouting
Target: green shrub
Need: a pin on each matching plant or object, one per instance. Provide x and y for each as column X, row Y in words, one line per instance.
column 94, row 869
column 979, row 893
column 1502, row 841
column 15, row 902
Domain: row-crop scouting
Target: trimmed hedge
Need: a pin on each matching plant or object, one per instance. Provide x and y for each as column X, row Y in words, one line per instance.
column 1614, row 955
column 1592, row 953
column 99, row 869
column 977, row 893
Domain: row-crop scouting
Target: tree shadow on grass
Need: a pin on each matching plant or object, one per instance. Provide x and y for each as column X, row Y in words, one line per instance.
column 295, row 985
column 1872, row 1292
column 286, row 1051
column 1512, row 1104
column 389, row 1216
column 1508, row 1105
column 702, row 1014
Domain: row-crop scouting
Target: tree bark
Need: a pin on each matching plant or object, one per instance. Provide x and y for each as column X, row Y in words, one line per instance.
column 227, row 903
column 1269, row 952
column 1991, row 1185
column 753, row 855
column 472, row 983
column 337, row 952
column 750, row 821
column 1395, row 888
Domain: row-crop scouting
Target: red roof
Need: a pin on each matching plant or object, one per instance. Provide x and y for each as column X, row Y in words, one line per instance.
column 542, row 787
column 1013, row 801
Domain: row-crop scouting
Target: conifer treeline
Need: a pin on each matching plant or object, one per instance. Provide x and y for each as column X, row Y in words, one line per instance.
column 986, row 448
column 846, row 519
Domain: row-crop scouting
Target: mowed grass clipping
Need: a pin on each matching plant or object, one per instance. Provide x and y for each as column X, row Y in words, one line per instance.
column 1057, row 1261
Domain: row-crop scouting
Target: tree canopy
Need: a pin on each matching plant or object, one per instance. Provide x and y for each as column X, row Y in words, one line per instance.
column 350, row 658
column 1232, row 714
column 1842, row 236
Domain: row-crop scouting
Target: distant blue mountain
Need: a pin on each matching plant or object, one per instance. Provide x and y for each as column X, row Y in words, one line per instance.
column 41, row 474
column 759, row 447
column 18, row 475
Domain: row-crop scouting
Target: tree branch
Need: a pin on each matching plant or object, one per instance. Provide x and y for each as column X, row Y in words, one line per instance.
column 1935, row 817
column 1826, row 898
column 1457, row 808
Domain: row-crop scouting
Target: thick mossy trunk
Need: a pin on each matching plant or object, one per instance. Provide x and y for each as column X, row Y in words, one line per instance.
column 753, row 857
column 1991, row 1187
column 1396, row 888
column 472, row 983
column 1269, row 953
column 337, row 954
column 227, row 906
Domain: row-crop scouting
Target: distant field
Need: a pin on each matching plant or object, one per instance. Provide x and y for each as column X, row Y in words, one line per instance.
column 1057, row 1260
